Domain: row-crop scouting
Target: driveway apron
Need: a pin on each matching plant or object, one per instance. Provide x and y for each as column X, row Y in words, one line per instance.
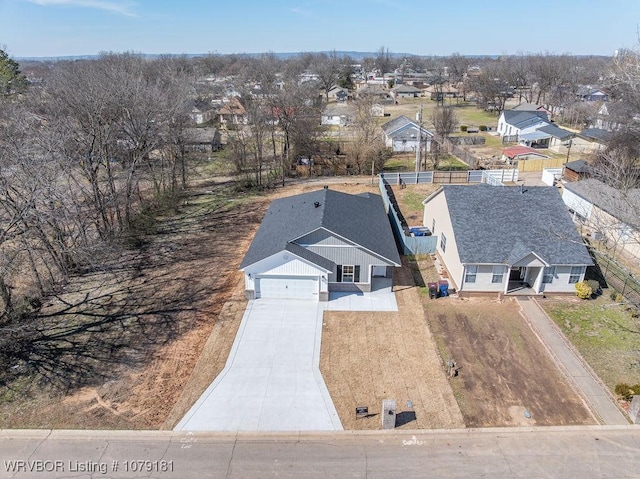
column 272, row 380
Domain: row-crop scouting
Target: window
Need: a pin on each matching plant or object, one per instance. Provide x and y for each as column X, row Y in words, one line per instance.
column 548, row 274
column 443, row 242
column 433, row 226
column 497, row 276
column 348, row 273
column 576, row 273
column 470, row 274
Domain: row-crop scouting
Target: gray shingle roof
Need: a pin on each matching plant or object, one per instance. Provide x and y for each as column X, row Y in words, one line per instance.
column 579, row 166
column 620, row 205
column 402, row 128
column 556, row 131
column 499, row 225
column 358, row 218
column 523, row 118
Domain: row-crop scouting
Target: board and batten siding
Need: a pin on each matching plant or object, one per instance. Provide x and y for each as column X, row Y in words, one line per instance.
column 341, row 252
column 281, row 264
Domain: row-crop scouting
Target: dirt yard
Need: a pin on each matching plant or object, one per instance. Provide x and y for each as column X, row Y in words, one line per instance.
column 504, row 370
column 368, row 357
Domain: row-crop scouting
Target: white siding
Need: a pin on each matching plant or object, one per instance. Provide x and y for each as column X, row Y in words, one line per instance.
column 581, row 206
column 560, row 282
column 483, row 280
column 437, row 209
column 282, row 264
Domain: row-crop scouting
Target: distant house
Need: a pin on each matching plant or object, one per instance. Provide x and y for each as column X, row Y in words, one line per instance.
column 232, row 113
column 200, row 115
column 606, row 212
column 377, row 109
column 532, row 107
column 532, row 128
column 590, row 140
column 337, row 114
column 312, row 244
column 589, row 93
column 401, row 134
column 338, row 94
column 515, row 123
column 202, row 140
column 439, row 92
column 405, row 91
column 506, row 240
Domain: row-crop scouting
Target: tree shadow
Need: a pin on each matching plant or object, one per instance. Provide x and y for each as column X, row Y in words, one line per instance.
column 120, row 314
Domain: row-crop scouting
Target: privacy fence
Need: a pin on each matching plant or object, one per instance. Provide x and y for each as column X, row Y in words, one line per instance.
column 493, row 177
column 408, row 244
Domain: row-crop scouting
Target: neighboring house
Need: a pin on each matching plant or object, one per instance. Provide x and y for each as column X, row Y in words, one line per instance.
column 498, row 239
column 514, row 123
column 201, row 115
column 401, row 134
column 576, row 170
column 532, row 128
column 590, row 140
column 532, row 107
column 613, row 116
column 589, row 93
column 374, row 90
column 608, row 213
column 338, row 94
column 512, row 154
column 232, row 113
column 338, row 115
column 405, row 91
column 439, row 92
column 311, row 244
column 202, row 140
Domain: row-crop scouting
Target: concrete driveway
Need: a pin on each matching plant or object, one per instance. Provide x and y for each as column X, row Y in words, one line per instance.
column 272, row 379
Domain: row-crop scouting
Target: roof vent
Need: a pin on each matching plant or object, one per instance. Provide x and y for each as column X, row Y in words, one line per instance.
column 326, row 187
column 317, row 204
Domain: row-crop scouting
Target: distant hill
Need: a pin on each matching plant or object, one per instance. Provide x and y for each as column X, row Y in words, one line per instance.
column 281, row 55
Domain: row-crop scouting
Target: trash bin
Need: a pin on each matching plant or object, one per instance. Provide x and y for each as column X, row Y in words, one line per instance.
column 433, row 290
column 443, row 287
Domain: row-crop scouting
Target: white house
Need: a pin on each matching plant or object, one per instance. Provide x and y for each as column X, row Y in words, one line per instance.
column 506, row 240
column 401, row 134
column 337, row 114
column 606, row 212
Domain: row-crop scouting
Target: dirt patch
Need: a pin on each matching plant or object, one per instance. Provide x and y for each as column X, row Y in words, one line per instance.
column 505, row 373
column 369, row 357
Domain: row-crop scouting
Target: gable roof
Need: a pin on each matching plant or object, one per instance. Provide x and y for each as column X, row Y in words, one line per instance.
column 403, row 127
column 360, row 219
column 524, row 119
column 499, row 225
column 596, row 134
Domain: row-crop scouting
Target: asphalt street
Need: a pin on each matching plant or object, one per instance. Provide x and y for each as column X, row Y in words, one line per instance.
column 552, row 452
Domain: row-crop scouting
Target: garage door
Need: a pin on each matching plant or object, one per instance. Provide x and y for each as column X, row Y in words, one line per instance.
column 288, row 287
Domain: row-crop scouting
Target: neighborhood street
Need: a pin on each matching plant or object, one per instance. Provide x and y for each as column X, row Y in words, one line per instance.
column 551, row 452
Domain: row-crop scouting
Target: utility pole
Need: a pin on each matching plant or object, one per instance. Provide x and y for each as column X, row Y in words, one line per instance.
column 419, row 146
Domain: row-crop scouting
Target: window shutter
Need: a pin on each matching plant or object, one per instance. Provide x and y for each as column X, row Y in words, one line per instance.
column 356, row 274
column 339, row 278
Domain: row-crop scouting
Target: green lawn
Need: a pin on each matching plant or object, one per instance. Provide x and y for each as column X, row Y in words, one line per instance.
column 606, row 334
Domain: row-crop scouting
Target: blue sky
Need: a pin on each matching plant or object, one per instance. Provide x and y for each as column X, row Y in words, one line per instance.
column 84, row 27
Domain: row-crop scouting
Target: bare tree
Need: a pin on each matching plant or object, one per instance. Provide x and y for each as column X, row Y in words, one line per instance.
column 445, row 120
column 366, row 147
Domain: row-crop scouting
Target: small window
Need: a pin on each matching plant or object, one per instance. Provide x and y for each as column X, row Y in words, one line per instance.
column 433, row 226
column 497, row 276
column 348, row 273
column 576, row 274
column 443, row 242
column 548, row 274
column 470, row 274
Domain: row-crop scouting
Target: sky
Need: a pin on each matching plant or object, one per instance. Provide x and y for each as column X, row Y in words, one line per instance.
column 53, row 28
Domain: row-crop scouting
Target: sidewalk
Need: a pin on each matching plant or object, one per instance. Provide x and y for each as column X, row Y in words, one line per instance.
column 590, row 389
